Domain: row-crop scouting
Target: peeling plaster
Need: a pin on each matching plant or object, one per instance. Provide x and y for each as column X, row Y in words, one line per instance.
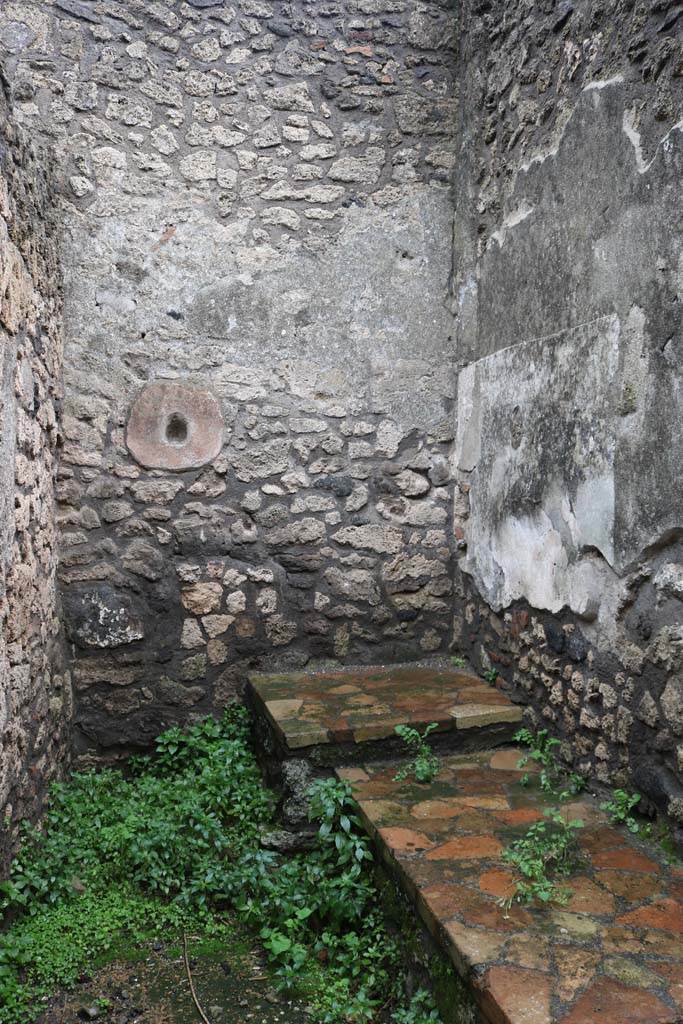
column 544, row 498
column 511, row 220
column 567, row 442
column 633, row 135
column 604, row 84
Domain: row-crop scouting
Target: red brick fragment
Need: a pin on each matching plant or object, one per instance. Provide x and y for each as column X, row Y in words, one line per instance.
column 626, row 859
column 666, row 915
column 515, row 995
column 466, row 848
column 609, row 1002
column 405, row 840
column 498, row 883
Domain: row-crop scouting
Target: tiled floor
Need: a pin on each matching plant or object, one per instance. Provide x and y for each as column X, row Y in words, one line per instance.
column 367, row 704
column 613, row 954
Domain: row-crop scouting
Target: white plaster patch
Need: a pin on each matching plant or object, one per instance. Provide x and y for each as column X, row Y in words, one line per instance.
column 468, row 437
column 530, row 554
column 633, row 135
column 594, row 514
column 604, row 84
column 536, row 433
column 511, row 220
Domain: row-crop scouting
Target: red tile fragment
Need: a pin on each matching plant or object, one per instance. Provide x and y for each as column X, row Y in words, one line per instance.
column 609, row 1002
column 466, row 848
column 405, row 840
column 577, row 967
column 515, row 995
column 630, row 886
column 625, row 859
column 597, row 840
column 666, row 915
column 673, row 976
column 497, row 883
column 520, row 816
column 507, row 759
column 588, row 898
column 448, row 900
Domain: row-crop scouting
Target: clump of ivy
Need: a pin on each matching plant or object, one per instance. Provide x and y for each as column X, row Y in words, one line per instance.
column 174, row 846
column 424, row 765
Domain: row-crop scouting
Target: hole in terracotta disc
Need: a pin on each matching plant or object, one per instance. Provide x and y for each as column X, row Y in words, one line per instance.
column 176, row 429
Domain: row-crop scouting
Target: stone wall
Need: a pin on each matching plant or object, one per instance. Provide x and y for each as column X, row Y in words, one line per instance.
column 34, row 690
column 257, row 258
column 568, row 505
column 275, row 293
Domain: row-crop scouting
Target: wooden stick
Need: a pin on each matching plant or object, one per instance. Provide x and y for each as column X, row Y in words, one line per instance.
column 189, row 978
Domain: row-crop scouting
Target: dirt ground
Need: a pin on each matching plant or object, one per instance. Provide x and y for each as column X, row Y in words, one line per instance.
column 231, row 990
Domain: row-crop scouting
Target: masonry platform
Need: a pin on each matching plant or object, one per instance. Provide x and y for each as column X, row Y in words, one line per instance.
column 612, row 953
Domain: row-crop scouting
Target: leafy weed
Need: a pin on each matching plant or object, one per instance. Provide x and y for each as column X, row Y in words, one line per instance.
column 424, row 764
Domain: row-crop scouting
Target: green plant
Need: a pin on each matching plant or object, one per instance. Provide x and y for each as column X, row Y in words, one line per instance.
column 619, row 809
column 319, row 905
column 548, row 850
column 166, row 849
column 420, row 1010
column 424, row 765
column 491, row 676
column 332, row 804
column 661, row 833
column 339, row 1002
column 118, row 860
column 553, row 777
column 457, row 661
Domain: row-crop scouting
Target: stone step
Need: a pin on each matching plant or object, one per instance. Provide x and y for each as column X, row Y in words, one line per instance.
column 338, row 717
column 613, row 953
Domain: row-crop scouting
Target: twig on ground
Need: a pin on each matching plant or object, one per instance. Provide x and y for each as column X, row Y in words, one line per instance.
column 189, row 978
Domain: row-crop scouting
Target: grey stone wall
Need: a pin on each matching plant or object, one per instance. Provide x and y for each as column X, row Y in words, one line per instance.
column 352, row 287
column 257, row 204
column 568, row 506
column 34, row 688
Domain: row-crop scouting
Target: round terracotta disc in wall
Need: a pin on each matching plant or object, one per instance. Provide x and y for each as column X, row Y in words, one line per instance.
column 173, row 425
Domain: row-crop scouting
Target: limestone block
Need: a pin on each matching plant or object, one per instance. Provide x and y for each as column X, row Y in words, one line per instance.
column 356, row 584
column 202, row 598
column 672, row 704
column 373, row 537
